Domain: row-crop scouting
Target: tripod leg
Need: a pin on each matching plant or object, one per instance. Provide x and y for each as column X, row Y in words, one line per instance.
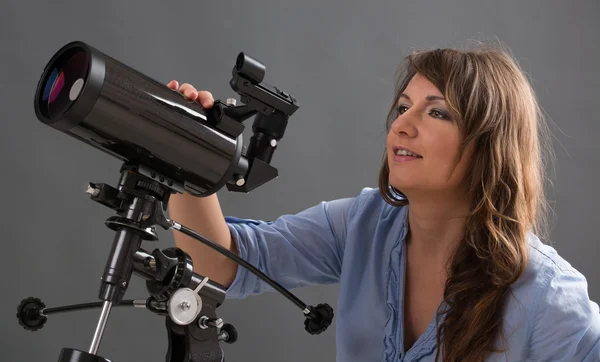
column 100, row 327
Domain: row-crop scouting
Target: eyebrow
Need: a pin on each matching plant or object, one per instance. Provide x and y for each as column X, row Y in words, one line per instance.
column 428, row 98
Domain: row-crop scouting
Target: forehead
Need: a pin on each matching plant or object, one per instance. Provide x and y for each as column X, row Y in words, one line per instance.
column 420, row 87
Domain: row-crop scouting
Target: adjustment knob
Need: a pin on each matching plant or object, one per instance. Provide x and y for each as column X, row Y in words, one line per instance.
column 228, row 334
column 29, row 314
column 323, row 318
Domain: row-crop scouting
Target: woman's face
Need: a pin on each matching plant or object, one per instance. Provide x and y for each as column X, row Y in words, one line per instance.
column 425, row 127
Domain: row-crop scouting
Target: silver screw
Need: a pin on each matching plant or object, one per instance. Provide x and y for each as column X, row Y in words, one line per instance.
column 223, row 336
column 231, row 102
column 218, row 323
column 124, row 284
column 204, row 322
column 273, row 142
column 185, row 305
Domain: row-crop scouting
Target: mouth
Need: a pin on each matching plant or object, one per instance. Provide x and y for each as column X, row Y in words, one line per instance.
column 401, row 151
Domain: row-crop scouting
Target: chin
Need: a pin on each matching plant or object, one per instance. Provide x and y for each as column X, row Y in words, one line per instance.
column 402, row 183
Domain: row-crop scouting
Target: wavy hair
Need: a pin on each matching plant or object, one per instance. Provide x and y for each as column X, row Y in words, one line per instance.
column 497, row 112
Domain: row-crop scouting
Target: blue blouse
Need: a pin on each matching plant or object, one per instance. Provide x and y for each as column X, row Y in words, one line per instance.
column 358, row 242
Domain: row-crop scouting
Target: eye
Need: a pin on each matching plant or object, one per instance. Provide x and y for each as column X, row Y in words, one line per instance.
column 401, row 109
column 436, row 113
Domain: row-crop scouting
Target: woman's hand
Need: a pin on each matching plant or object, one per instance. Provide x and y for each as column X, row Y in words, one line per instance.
column 205, row 98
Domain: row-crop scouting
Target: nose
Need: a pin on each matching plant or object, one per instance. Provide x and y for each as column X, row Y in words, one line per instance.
column 405, row 124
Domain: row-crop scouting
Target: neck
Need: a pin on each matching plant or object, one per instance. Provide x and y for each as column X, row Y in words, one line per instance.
column 436, row 225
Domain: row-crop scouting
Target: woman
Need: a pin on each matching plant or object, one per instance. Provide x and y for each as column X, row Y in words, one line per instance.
column 443, row 261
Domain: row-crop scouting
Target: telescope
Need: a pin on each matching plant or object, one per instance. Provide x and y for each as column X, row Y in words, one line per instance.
column 166, row 144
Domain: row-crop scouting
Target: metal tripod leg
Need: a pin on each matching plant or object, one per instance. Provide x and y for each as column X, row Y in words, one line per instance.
column 100, row 327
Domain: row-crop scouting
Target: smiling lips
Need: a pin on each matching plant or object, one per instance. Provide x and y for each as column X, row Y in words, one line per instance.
column 402, row 154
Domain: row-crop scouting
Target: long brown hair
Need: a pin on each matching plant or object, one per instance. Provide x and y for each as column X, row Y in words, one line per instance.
column 498, row 113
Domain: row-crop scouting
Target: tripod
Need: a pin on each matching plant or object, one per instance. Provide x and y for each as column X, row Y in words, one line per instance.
column 187, row 300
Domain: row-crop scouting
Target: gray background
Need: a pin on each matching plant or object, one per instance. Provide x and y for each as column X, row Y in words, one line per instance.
column 338, row 58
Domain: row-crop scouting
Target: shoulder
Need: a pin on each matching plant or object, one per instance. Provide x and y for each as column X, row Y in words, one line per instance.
column 369, row 204
column 562, row 320
column 370, row 197
column 544, row 266
column 545, row 258
column 549, row 273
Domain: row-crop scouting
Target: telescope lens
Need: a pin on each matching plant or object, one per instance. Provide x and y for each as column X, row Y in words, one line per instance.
column 64, row 82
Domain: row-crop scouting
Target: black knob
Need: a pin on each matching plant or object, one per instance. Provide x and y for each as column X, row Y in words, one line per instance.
column 29, row 314
column 228, row 333
column 321, row 317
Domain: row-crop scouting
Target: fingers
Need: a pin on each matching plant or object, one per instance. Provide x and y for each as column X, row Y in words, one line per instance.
column 188, row 91
column 174, row 85
column 206, row 99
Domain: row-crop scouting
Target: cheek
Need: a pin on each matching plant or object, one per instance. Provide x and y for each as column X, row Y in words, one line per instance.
column 443, row 158
column 443, row 150
column 388, row 150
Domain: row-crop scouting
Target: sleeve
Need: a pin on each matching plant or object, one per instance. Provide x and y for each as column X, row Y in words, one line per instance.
column 567, row 322
column 295, row 250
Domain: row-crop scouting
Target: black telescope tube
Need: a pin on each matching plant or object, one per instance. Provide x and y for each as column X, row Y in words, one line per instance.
column 110, row 106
